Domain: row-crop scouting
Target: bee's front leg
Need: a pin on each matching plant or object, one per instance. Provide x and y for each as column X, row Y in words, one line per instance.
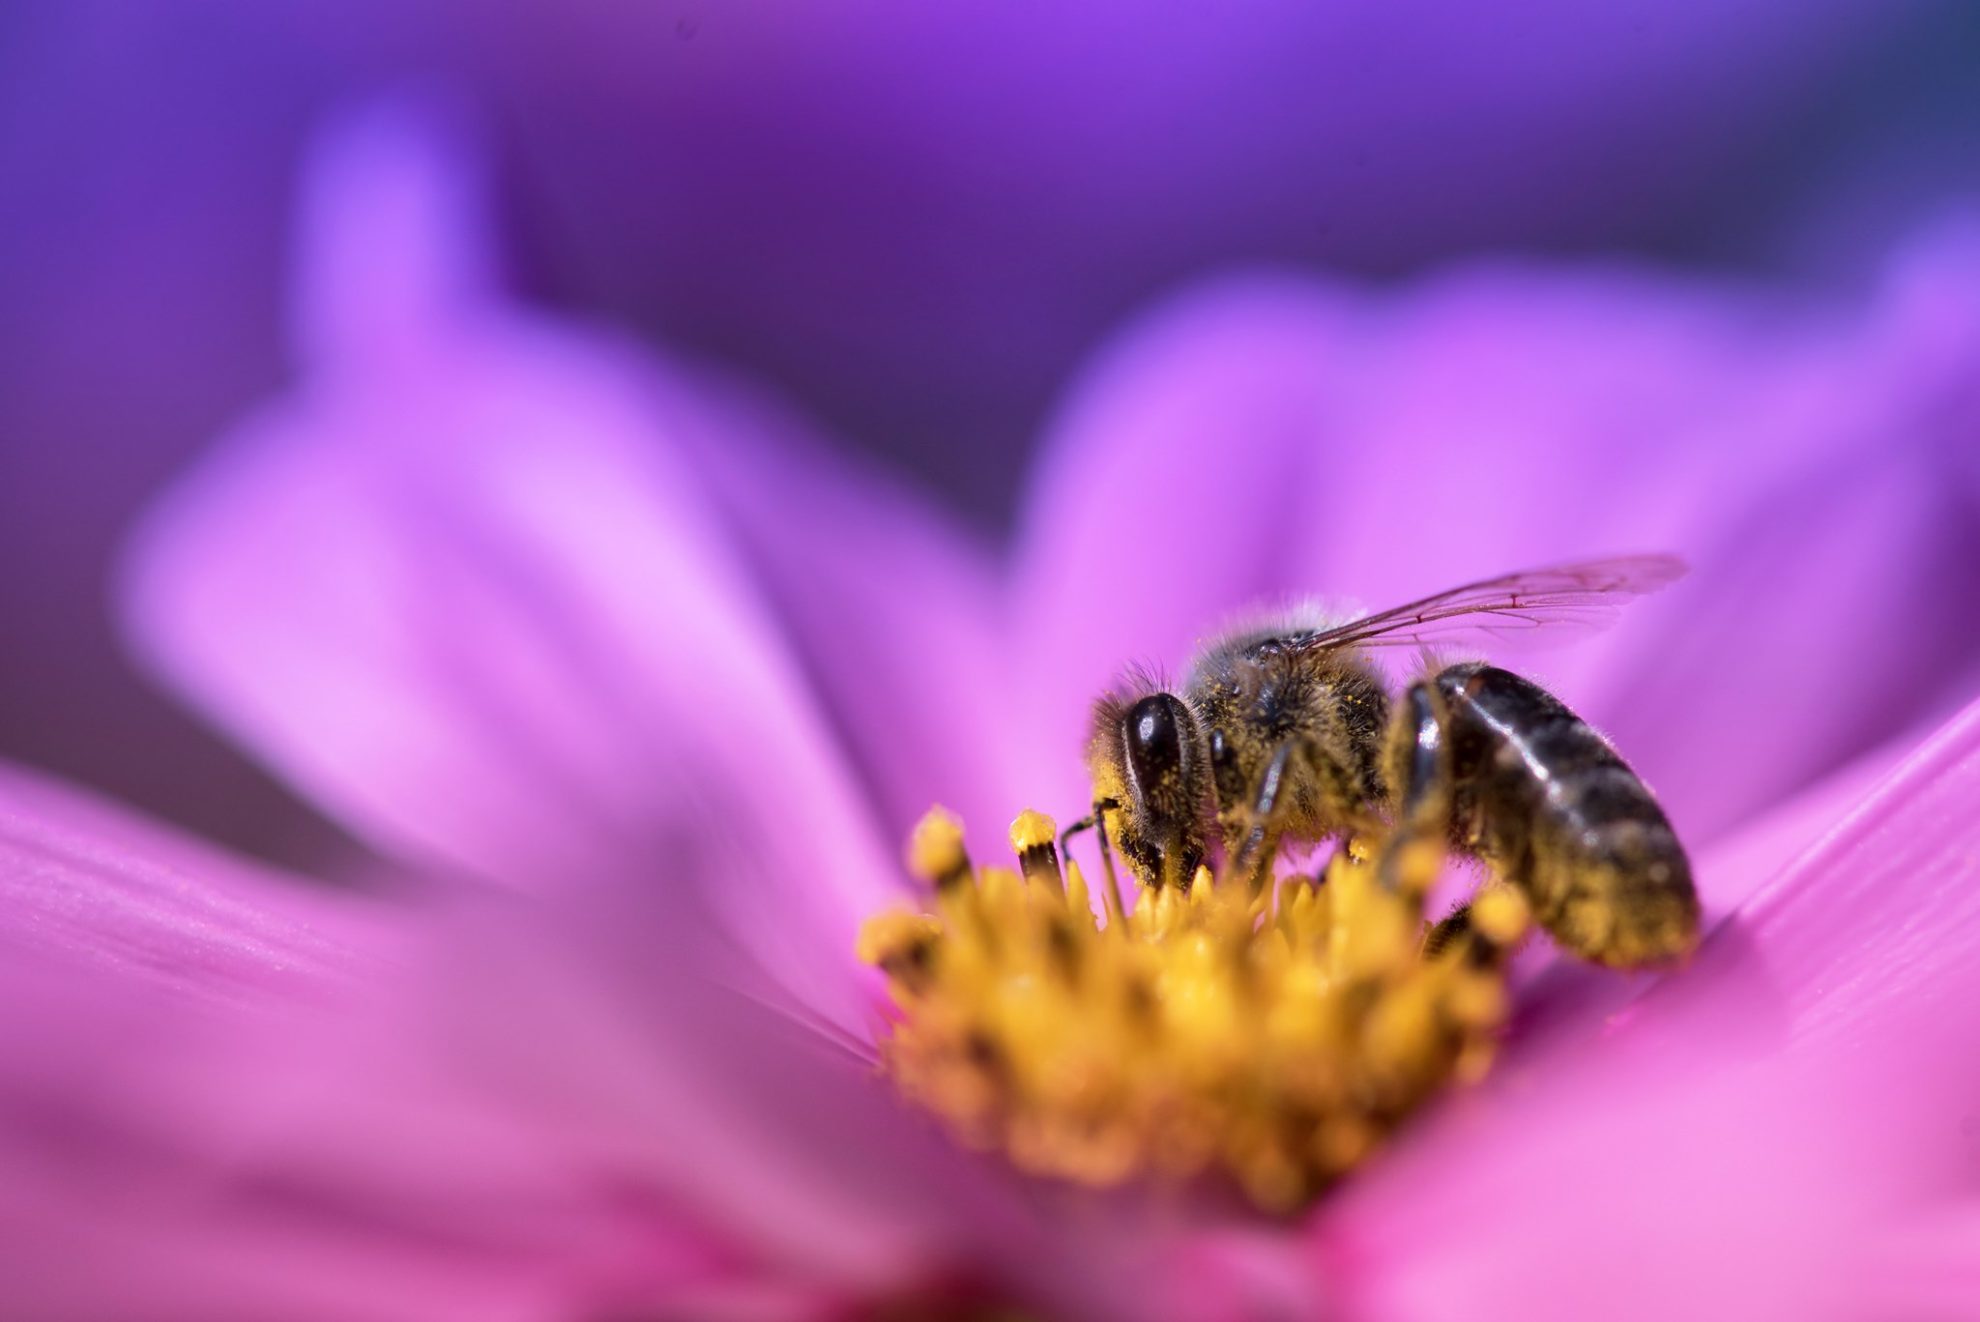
column 1257, row 839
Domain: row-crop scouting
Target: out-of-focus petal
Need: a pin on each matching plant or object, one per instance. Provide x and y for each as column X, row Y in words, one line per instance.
column 471, row 597
column 1170, row 494
column 1745, row 1136
column 479, row 620
column 418, row 254
column 1274, row 439
column 167, row 1069
column 886, row 606
column 1925, row 1267
column 625, row 1031
column 90, row 889
column 259, row 1099
column 889, row 610
column 1870, row 941
column 1563, row 996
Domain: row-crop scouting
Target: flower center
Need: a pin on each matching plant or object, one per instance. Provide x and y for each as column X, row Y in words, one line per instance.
column 1272, row 1036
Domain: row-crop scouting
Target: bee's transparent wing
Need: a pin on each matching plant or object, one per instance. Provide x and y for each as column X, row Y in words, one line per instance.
column 1580, row 597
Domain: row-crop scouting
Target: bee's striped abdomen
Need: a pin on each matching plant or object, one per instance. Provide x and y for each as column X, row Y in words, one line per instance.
column 1544, row 798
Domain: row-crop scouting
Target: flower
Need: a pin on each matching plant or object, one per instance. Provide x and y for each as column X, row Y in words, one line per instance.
column 639, row 684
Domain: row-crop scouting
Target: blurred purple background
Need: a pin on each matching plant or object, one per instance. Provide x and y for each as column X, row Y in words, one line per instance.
column 915, row 220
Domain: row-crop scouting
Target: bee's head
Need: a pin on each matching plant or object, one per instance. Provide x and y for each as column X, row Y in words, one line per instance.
column 1147, row 759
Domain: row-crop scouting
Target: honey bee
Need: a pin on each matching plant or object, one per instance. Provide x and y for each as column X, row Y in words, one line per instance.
column 1287, row 733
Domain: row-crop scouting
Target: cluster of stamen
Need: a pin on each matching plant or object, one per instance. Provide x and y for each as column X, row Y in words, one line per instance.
column 1267, row 1034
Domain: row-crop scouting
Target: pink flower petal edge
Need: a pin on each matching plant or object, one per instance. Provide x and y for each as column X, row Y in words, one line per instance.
column 90, row 889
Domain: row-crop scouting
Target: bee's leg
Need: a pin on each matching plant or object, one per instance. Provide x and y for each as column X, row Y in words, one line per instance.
column 1418, row 772
column 1253, row 856
column 1538, row 794
column 1433, row 814
column 1447, row 931
column 1097, row 822
column 1483, row 931
column 1423, row 789
column 1085, row 823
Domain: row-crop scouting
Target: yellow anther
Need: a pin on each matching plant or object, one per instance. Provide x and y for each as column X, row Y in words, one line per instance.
column 1032, row 829
column 1501, row 915
column 1413, row 864
column 1034, row 839
column 935, row 851
column 1341, row 1141
column 902, row 944
column 1478, row 1000
column 1271, row 1040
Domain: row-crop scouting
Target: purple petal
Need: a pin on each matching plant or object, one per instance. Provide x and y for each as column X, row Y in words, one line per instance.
column 890, row 611
column 1273, row 439
column 885, row 606
column 375, row 283
column 166, row 1072
column 1139, row 532
column 88, row 888
column 471, row 596
column 1746, row 1138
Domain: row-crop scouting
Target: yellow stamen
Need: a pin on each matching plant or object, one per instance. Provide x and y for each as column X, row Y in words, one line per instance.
column 1034, row 839
column 1270, row 1040
column 935, row 851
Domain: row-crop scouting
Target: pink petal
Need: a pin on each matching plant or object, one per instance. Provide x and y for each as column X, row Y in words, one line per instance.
column 1744, row 1139
column 161, row 1155
column 890, row 610
column 87, row 888
column 1925, row 1266
column 1563, row 996
column 1869, row 941
column 1271, row 439
column 624, row 1033
column 471, row 597
column 887, row 607
column 259, row 1098
column 1136, row 536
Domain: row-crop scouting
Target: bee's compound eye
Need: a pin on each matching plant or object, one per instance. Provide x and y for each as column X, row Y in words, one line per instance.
column 1154, row 736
